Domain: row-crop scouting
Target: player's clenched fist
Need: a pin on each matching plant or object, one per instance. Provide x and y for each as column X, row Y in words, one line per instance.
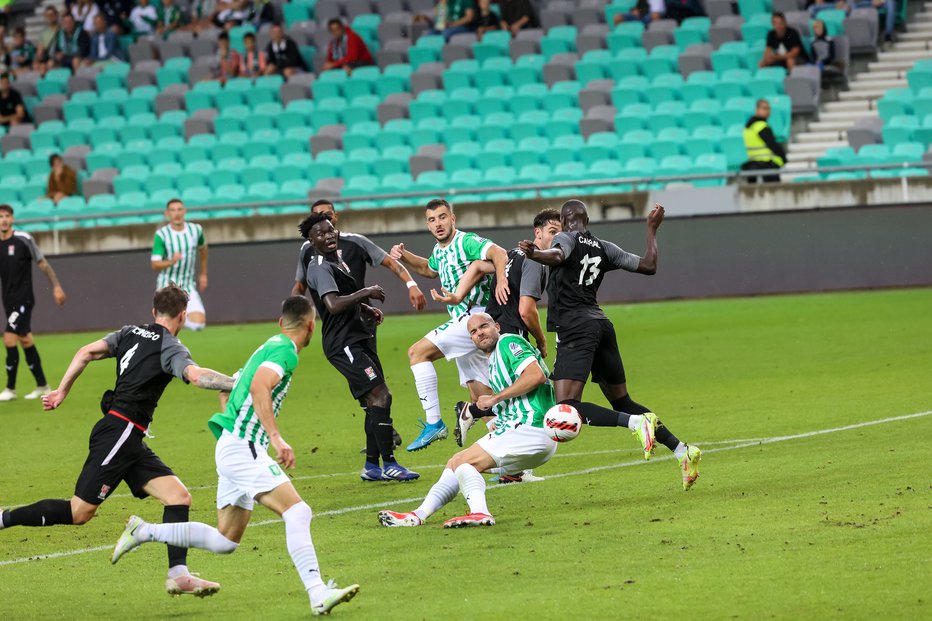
column 655, row 217
column 397, row 251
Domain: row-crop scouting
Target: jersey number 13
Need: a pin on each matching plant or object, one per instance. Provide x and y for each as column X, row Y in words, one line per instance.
column 590, row 265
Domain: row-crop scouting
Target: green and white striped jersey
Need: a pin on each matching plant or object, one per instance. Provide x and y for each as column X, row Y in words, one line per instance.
column 167, row 242
column 512, row 355
column 453, row 261
column 279, row 354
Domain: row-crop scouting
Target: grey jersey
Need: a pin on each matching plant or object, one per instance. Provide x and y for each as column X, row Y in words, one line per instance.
column 355, row 251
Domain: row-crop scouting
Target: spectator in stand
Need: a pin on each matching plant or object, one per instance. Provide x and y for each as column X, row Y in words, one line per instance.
column 682, row 9
column 517, row 14
column 12, row 108
column 451, row 17
column 236, row 11
column 889, row 7
column 486, row 19
column 117, row 14
column 71, row 46
column 784, row 46
column 144, row 18
column 169, row 18
column 254, row 62
column 84, row 12
column 22, row 53
column 63, row 181
column 262, row 13
column 645, row 11
column 228, row 60
column 283, row 54
column 105, row 45
column 46, row 39
column 764, row 152
column 823, row 48
column 346, row 49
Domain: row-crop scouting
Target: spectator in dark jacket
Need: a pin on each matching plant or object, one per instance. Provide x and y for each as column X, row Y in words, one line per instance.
column 12, row 109
column 283, row 54
column 784, row 46
column 682, row 9
column 645, row 11
column 486, row 19
column 105, row 45
column 117, row 14
column 517, row 14
column 71, row 44
column 823, row 47
column 346, row 49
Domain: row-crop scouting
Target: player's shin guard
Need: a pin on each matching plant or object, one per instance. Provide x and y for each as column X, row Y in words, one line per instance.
column 372, row 444
column 597, row 416
column 177, row 556
column 43, row 513
column 443, row 491
column 12, row 364
column 425, row 382
column 628, row 405
column 382, row 430
column 665, row 437
column 35, row 364
column 473, row 487
column 301, row 548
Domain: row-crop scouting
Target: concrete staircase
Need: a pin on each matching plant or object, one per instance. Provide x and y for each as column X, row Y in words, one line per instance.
column 864, row 89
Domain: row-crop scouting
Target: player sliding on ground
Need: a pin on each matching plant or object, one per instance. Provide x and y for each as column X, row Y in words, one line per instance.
column 246, row 471
column 523, row 395
column 450, row 259
column 586, row 339
column 148, row 357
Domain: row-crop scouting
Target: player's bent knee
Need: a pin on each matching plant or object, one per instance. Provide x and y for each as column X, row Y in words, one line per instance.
column 299, row 513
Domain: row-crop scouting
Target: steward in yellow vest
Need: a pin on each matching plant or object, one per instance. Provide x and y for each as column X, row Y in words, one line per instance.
column 764, row 152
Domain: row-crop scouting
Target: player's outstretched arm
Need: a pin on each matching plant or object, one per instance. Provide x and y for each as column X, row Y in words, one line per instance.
column 527, row 309
column 84, row 356
column 263, row 382
column 648, row 263
column 57, row 292
column 532, row 377
column 476, row 272
column 337, row 304
column 415, row 295
column 208, row 379
column 552, row 257
column 499, row 259
column 415, row 262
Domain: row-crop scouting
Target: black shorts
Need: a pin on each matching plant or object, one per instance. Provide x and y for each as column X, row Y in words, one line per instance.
column 116, row 452
column 361, row 367
column 509, row 328
column 19, row 319
column 591, row 349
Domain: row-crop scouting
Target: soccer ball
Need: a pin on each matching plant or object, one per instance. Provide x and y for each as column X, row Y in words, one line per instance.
column 562, row 423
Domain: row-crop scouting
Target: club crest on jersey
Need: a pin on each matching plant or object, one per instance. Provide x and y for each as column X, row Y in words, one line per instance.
column 516, row 349
column 370, row 372
column 104, row 490
column 11, row 250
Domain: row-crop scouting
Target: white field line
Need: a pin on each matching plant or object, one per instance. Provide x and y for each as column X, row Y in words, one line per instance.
column 746, row 444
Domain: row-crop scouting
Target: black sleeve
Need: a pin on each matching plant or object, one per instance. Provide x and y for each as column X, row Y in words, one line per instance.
column 84, row 45
column 772, row 40
column 770, row 140
column 831, row 52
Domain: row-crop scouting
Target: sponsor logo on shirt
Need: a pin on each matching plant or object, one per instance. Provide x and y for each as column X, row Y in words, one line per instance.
column 370, row 372
column 516, row 349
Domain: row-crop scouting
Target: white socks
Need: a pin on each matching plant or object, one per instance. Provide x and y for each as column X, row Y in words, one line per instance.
column 680, row 450
column 425, row 382
column 635, row 421
column 187, row 535
column 473, row 487
column 443, row 491
column 301, row 548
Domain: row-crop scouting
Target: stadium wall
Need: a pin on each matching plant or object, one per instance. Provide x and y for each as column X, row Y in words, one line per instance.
column 700, row 256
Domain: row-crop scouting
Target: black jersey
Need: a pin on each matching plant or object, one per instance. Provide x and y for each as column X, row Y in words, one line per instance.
column 16, row 257
column 525, row 278
column 147, row 357
column 574, row 284
column 342, row 329
column 356, row 251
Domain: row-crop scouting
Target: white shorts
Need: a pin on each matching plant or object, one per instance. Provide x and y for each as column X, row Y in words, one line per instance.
column 243, row 472
column 452, row 339
column 195, row 303
column 518, row 448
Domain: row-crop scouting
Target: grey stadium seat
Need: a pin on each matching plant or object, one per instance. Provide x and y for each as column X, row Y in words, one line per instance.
column 194, row 126
column 723, row 34
column 861, row 28
column 716, row 8
column 696, row 58
column 561, row 68
column 866, row 131
column 803, row 85
column 354, row 8
column 327, row 10
column 423, row 163
column 590, row 98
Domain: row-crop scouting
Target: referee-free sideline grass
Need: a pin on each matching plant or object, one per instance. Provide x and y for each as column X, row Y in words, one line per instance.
column 804, row 509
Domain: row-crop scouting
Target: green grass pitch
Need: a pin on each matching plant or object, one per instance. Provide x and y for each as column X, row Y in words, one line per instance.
column 783, row 523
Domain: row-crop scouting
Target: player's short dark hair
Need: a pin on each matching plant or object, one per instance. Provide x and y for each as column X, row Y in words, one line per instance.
column 170, row 300
column 53, row 157
column 780, row 15
column 295, row 309
column 4, row 76
column 173, row 200
column 545, row 216
column 322, row 201
column 574, row 202
column 19, row 30
column 249, row 35
column 437, row 203
column 7, row 208
column 308, row 223
column 223, row 36
column 757, row 104
column 336, row 21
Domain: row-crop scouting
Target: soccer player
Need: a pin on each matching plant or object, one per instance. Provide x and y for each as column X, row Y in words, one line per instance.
column 246, row 472
column 349, row 324
column 523, row 394
column 177, row 247
column 586, row 338
column 17, row 252
column 454, row 252
column 148, row 357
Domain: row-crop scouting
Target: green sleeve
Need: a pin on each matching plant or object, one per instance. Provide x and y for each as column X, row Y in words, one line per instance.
column 432, row 262
column 475, row 246
column 283, row 356
column 514, row 351
column 158, row 247
column 200, row 236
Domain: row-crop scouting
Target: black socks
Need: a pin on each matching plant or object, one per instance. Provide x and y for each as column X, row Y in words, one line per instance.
column 597, row 416
column 43, row 513
column 12, row 364
column 382, row 430
column 663, row 434
column 35, row 364
column 172, row 514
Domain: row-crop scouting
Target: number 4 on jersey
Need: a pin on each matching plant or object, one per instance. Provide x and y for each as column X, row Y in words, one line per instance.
column 591, row 265
column 124, row 361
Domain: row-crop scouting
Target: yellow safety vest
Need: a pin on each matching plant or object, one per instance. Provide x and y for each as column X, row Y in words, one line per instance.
column 758, row 151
